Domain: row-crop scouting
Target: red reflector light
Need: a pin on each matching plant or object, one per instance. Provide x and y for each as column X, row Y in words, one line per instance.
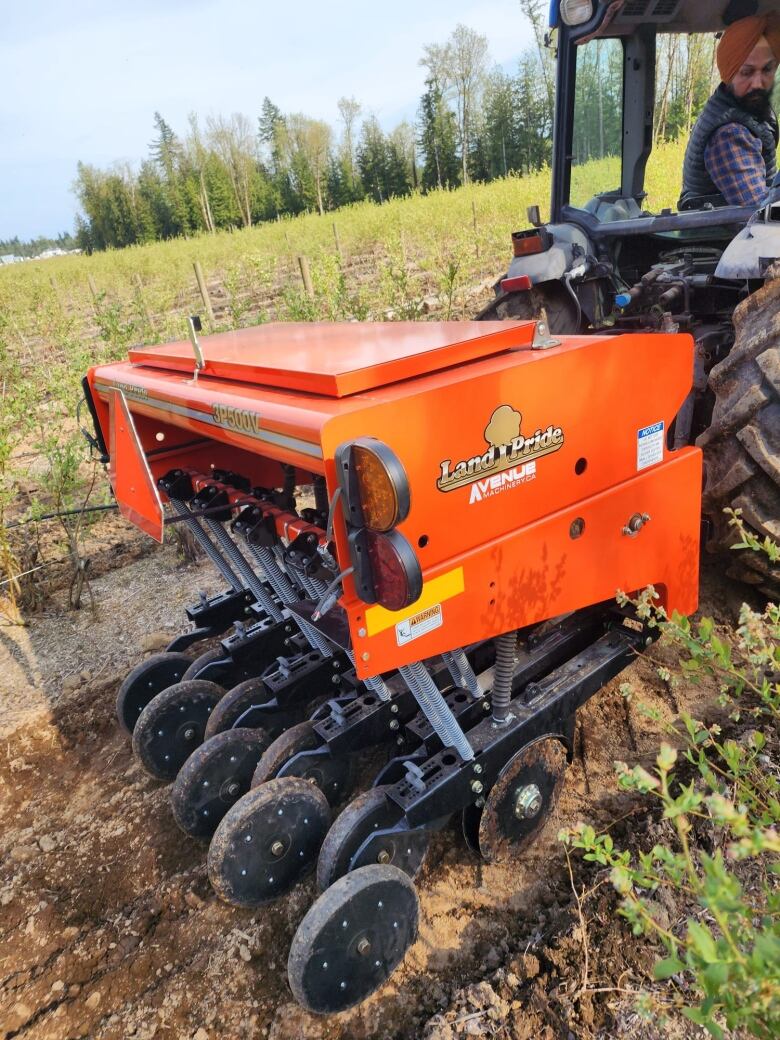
column 395, row 570
column 520, row 284
column 527, row 243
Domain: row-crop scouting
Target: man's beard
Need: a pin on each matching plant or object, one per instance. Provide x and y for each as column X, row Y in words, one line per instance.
column 757, row 103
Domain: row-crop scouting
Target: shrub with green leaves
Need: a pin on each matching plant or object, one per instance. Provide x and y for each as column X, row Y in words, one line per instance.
column 719, row 789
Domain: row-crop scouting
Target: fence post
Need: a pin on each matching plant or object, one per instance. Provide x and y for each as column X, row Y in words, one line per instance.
column 140, row 291
column 338, row 241
column 303, row 263
column 93, row 289
column 204, row 291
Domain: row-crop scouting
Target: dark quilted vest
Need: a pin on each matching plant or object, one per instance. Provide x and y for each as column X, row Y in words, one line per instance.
column 719, row 111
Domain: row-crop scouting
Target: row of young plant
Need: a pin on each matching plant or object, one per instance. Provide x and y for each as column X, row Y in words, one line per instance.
column 716, row 786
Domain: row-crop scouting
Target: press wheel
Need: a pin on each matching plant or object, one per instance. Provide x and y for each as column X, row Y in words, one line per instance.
column 369, row 812
column 334, row 775
column 214, row 777
column 227, row 674
column 216, row 653
column 352, row 939
column 233, row 705
column 144, row 682
column 521, row 800
column 267, row 841
column 171, row 726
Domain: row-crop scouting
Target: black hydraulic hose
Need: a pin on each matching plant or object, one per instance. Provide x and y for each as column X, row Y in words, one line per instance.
column 321, row 495
column 56, row 516
column 288, row 489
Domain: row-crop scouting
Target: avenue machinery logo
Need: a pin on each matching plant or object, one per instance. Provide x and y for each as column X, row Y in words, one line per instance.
column 510, row 459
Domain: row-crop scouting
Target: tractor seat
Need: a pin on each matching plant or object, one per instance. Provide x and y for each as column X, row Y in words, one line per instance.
column 608, row 209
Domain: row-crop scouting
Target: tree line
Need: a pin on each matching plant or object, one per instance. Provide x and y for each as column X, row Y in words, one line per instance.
column 474, row 122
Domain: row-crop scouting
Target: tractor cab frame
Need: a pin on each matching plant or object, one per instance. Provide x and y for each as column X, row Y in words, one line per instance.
column 637, row 25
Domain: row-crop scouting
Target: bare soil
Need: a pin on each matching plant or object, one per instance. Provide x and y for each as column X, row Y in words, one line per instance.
column 108, row 925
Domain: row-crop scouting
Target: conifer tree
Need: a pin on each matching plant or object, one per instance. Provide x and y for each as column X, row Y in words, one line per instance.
column 437, row 140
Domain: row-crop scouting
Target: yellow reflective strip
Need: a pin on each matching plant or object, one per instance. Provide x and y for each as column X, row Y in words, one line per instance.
column 437, row 590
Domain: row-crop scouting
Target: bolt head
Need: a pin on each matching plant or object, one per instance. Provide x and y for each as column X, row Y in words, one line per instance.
column 383, row 857
column 394, row 724
column 362, row 633
column 364, row 947
column 277, row 848
column 477, row 786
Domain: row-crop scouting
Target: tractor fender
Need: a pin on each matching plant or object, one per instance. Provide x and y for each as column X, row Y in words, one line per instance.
column 751, row 253
column 570, row 246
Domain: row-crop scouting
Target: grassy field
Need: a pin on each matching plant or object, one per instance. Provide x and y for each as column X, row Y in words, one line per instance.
column 418, row 257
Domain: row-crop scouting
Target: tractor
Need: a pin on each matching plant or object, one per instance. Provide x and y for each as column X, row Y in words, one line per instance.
column 607, row 265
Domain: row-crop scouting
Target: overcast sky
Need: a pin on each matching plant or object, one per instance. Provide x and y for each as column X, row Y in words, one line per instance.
column 82, row 79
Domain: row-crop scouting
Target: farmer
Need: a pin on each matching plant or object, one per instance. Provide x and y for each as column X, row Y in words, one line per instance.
column 733, row 148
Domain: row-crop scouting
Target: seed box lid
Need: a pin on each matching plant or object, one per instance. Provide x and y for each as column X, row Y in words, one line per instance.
column 339, row 359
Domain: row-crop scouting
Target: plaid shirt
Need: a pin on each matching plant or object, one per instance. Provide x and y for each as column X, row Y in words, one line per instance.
column 735, row 161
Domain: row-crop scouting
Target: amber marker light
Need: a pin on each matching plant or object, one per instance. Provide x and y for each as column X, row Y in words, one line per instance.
column 374, row 483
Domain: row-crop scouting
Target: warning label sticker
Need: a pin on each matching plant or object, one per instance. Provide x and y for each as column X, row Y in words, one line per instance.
column 650, row 445
column 419, row 625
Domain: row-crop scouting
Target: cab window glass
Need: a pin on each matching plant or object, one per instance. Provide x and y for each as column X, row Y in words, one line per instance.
column 598, row 120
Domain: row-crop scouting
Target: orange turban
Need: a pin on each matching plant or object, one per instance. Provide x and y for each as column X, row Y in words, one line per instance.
column 739, row 40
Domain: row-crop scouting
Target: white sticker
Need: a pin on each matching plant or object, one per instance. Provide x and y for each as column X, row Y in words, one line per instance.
column 419, row 625
column 650, row 445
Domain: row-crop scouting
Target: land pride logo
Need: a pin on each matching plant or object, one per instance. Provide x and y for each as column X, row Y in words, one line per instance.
column 510, row 459
column 240, row 419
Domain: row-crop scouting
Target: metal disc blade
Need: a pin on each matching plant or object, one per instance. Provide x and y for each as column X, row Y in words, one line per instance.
column 469, row 822
column 522, row 798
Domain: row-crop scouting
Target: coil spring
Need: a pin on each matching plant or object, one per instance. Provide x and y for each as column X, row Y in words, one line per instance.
column 206, row 544
column 285, row 591
column 244, row 568
column 436, row 709
column 503, row 674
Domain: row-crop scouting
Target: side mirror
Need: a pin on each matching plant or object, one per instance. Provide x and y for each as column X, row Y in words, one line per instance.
column 534, row 215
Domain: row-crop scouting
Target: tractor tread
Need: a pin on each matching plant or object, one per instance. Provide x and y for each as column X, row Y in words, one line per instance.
column 742, row 445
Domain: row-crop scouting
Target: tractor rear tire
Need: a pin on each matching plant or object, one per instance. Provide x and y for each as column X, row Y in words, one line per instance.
column 553, row 297
column 742, row 445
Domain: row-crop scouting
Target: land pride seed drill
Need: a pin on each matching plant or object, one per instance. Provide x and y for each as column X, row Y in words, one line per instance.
column 481, row 492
